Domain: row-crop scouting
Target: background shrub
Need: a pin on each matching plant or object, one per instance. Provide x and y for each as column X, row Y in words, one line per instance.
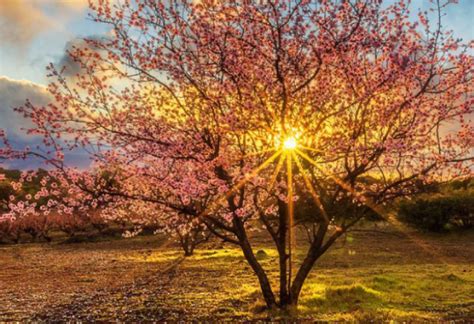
column 440, row 212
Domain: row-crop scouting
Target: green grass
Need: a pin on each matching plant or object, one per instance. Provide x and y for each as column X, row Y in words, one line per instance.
column 397, row 292
column 344, row 293
column 378, row 278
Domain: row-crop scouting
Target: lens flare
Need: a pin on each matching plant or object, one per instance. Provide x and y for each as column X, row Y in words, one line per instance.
column 290, row 143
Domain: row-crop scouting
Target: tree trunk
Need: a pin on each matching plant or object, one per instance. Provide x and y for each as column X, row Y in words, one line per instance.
column 301, row 276
column 253, row 262
column 187, row 243
column 282, row 255
column 315, row 251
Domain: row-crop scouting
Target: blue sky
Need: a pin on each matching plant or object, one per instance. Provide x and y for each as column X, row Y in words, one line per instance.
column 34, row 33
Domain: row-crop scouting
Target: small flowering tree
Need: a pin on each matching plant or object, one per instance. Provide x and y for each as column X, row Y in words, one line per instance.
column 186, row 229
column 228, row 112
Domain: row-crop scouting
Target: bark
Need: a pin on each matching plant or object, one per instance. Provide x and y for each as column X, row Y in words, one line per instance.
column 254, row 264
column 316, row 249
column 283, row 257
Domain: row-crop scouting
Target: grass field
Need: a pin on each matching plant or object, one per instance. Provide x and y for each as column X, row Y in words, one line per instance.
column 382, row 275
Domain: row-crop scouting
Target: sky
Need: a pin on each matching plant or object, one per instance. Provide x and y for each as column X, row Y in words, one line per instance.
column 34, row 33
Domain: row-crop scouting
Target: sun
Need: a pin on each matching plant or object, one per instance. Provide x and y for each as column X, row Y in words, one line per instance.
column 290, row 143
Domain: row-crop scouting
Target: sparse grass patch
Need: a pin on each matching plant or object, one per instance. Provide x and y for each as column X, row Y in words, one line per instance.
column 221, row 255
column 388, row 315
column 153, row 256
column 385, row 283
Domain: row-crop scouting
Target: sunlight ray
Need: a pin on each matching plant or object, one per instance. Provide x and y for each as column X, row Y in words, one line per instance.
column 310, row 187
column 361, row 198
column 258, row 153
column 253, row 173
column 420, row 242
column 237, row 186
column 310, row 149
column 277, row 171
column 291, row 236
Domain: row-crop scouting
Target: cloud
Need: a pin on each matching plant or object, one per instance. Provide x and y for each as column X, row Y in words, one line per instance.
column 22, row 20
column 71, row 67
column 14, row 93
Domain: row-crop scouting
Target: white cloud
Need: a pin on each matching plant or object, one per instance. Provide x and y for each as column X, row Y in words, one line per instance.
column 13, row 93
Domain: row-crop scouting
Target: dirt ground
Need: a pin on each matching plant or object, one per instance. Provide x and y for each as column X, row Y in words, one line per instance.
column 371, row 276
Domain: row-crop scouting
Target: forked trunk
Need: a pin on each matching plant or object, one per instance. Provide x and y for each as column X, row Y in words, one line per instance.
column 265, row 286
column 289, row 291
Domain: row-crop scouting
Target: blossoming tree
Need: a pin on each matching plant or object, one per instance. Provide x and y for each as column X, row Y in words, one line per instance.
column 233, row 113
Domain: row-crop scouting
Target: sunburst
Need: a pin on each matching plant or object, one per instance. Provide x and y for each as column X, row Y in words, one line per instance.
column 289, row 149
